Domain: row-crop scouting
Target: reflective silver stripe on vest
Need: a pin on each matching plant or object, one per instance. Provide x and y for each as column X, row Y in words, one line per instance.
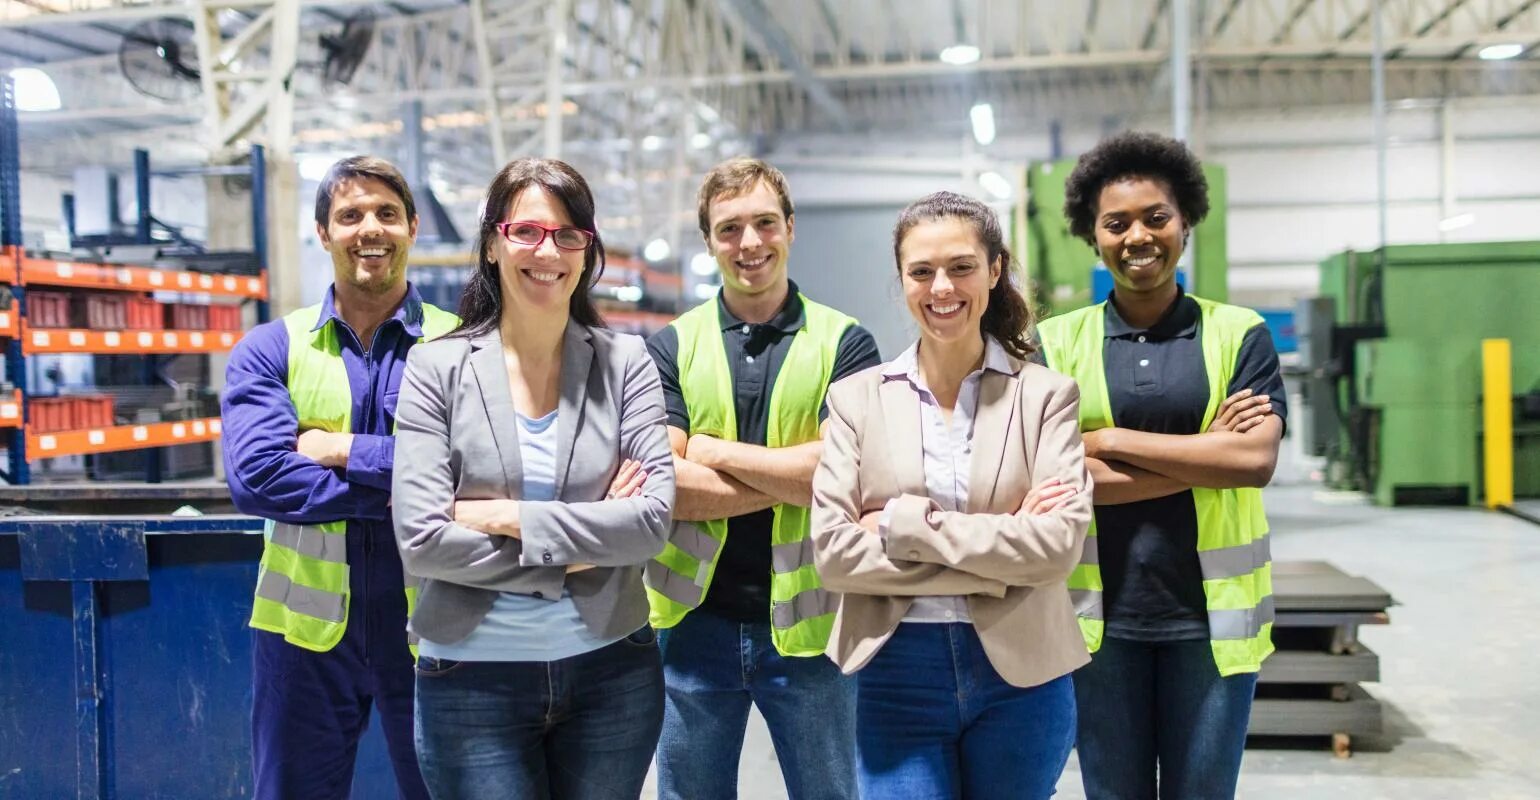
column 1088, row 602
column 1240, row 623
column 695, row 542
column 1234, row 562
column 808, row 604
column 1091, row 553
column 322, row 605
column 312, row 542
column 672, row 585
column 791, row 556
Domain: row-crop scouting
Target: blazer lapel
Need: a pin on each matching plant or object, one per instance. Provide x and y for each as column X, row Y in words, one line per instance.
column 577, row 357
column 997, row 408
column 901, row 415
column 492, row 377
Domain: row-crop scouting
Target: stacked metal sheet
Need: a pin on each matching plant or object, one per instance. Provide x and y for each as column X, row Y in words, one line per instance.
column 1312, row 685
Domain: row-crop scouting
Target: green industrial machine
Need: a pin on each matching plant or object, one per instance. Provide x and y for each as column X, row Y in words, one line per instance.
column 1391, row 356
column 1060, row 267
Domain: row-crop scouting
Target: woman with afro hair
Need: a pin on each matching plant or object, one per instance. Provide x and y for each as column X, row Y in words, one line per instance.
column 1182, row 409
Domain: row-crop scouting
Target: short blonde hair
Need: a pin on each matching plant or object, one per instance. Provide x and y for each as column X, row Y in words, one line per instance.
column 736, row 177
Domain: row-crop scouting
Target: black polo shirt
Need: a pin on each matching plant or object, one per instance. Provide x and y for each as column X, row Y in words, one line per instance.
column 1156, row 381
column 740, row 587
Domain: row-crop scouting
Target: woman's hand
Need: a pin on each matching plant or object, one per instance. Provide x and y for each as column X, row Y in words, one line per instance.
column 628, row 481
column 1242, row 411
column 1047, row 496
column 872, row 521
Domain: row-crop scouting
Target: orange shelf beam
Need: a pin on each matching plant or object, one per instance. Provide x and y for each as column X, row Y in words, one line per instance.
column 36, row 341
column 7, row 325
column 121, row 437
column 47, row 272
column 10, row 410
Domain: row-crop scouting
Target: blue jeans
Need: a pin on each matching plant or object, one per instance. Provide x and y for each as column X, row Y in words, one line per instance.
column 714, row 668
column 581, row 728
column 1149, row 703
column 934, row 721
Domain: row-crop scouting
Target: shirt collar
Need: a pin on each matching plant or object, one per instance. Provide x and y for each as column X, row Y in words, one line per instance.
column 409, row 313
column 907, row 365
column 1179, row 321
column 789, row 319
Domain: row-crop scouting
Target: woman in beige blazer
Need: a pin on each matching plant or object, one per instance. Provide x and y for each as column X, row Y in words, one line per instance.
column 950, row 505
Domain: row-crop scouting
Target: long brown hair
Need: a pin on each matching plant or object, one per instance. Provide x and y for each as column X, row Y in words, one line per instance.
column 1008, row 318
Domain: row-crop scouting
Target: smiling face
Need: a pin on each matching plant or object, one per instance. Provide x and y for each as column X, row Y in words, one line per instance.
column 1139, row 234
column 750, row 239
column 368, row 235
column 947, row 276
column 541, row 278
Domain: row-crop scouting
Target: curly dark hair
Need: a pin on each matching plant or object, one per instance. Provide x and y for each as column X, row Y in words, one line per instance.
column 1134, row 154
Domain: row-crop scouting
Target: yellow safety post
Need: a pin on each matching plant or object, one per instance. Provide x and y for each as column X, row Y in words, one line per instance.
column 1497, row 413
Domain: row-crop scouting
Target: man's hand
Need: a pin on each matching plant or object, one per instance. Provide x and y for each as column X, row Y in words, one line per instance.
column 1098, row 443
column 1242, row 411
column 1047, row 496
column 325, row 448
column 701, row 449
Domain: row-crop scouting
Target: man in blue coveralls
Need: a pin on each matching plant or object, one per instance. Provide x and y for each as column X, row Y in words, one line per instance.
column 309, row 411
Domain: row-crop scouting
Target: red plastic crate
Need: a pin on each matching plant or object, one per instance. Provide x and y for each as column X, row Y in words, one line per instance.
column 106, row 312
column 94, row 411
column 224, row 317
column 145, row 314
column 51, row 414
column 187, row 317
column 48, row 309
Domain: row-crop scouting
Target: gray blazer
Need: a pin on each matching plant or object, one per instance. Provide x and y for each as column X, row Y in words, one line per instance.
column 457, row 439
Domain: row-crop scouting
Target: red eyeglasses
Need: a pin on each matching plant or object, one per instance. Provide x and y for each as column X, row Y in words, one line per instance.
column 533, row 233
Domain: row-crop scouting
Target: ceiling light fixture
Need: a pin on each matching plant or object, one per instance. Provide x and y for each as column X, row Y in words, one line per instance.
column 35, row 91
column 960, row 55
column 1500, row 52
column 983, row 117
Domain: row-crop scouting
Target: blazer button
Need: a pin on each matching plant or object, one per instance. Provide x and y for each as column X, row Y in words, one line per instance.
column 546, row 558
column 538, row 595
column 914, row 555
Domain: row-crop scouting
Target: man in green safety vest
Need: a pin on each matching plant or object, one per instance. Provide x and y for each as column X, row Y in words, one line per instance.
column 309, row 412
column 743, row 618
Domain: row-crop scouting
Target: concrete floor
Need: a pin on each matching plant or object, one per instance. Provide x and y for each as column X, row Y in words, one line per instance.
column 1458, row 703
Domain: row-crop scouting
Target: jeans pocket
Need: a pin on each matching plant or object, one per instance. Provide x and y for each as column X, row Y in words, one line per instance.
column 430, row 667
column 644, row 636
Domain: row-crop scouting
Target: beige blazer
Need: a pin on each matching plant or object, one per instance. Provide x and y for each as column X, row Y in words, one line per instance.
column 1011, row 566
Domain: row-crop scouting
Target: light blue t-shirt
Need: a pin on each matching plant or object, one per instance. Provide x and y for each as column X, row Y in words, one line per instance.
column 520, row 627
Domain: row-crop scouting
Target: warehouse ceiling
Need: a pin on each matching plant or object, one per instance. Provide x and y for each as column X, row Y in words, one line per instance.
column 650, row 91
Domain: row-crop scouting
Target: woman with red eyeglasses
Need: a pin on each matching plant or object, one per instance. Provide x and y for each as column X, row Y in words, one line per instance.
column 536, row 480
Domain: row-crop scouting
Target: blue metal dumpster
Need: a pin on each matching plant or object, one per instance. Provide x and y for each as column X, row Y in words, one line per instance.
column 125, row 660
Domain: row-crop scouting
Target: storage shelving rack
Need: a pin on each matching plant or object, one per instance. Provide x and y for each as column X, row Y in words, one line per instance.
column 20, row 271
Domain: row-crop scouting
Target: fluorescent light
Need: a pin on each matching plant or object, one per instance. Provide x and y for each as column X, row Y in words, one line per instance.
column 35, row 91
column 1499, row 52
column 1456, row 222
column 705, row 291
column 314, row 168
column 996, row 184
column 628, row 294
column 703, row 264
column 983, row 116
column 960, row 54
column 700, row 141
column 657, row 250
column 652, row 142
